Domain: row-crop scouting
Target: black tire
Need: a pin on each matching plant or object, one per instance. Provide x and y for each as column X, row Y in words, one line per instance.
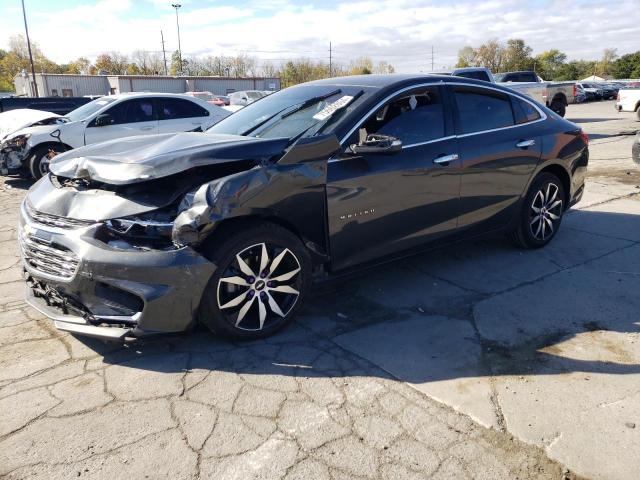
column 247, row 242
column 559, row 108
column 38, row 163
column 638, row 114
column 534, row 231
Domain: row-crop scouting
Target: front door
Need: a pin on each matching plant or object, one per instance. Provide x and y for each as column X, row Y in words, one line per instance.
column 127, row 118
column 381, row 204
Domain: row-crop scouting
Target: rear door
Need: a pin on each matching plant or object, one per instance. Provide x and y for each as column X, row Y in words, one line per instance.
column 381, row 204
column 130, row 117
column 182, row 115
column 499, row 148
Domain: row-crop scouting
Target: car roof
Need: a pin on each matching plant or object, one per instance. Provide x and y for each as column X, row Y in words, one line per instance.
column 397, row 80
column 119, row 96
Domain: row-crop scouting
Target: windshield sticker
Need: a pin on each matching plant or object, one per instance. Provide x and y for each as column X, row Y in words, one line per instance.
column 331, row 108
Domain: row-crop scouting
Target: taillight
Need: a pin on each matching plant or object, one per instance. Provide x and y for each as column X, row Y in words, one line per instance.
column 584, row 137
column 575, row 90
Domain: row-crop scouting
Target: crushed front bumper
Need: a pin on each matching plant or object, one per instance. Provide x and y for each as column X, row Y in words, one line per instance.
column 90, row 288
column 11, row 159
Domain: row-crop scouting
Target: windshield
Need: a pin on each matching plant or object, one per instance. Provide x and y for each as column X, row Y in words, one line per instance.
column 254, row 95
column 499, row 76
column 292, row 112
column 88, row 109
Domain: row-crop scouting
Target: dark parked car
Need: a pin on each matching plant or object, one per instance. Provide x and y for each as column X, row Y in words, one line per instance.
column 143, row 235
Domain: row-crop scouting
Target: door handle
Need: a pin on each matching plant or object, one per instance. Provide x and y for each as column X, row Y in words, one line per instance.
column 525, row 143
column 149, row 127
column 445, row 159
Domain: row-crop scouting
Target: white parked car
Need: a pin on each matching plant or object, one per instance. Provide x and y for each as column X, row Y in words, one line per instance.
column 245, row 97
column 29, row 138
column 629, row 101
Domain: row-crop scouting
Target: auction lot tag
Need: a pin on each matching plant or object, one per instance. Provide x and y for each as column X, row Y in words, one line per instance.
column 327, row 111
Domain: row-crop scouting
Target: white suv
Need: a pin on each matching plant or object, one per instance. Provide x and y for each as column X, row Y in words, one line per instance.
column 29, row 145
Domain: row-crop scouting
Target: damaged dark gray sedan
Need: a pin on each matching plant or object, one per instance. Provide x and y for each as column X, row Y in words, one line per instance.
column 147, row 235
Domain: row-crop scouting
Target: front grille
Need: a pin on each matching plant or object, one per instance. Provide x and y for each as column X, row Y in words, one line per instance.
column 48, row 258
column 55, row 220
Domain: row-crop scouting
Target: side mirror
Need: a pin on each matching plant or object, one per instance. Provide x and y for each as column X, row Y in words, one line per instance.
column 378, row 145
column 103, row 120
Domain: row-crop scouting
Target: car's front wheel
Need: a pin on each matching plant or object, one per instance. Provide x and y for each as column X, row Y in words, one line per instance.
column 541, row 213
column 41, row 157
column 262, row 277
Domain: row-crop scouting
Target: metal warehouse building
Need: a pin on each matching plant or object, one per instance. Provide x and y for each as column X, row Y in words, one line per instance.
column 65, row 85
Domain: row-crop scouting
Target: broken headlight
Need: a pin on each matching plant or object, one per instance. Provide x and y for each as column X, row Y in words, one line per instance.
column 147, row 231
column 19, row 141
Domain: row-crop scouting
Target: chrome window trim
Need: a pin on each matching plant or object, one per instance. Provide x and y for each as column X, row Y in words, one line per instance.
column 441, row 139
column 543, row 115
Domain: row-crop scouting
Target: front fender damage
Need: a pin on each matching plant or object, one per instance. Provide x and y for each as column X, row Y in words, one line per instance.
column 292, row 193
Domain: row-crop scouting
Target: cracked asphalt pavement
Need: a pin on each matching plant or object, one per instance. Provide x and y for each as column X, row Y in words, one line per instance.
column 478, row 361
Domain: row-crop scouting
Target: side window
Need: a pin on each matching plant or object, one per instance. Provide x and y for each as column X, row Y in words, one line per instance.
column 524, row 111
column 132, row 111
column 413, row 117
column 172, row 108
column 480, row 109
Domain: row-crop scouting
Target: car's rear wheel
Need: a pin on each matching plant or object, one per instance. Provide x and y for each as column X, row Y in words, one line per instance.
column 559, row 108
column 262, row 277
column 542, row 212
column 40, row 159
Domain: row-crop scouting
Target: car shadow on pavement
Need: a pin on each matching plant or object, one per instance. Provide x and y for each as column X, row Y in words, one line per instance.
column 18, row 182
column 469, row 311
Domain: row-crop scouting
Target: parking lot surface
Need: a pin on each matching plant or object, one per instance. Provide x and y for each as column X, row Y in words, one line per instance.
column 475, row 361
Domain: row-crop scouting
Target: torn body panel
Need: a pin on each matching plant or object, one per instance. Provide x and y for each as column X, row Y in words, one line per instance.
column 292, row 194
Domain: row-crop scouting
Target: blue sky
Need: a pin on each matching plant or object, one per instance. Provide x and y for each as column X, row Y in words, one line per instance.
column 401, row 32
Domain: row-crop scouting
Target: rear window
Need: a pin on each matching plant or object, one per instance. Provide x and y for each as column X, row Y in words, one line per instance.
column 477, row 75
column 524, row 111
column 173, row 108
column 480, row 109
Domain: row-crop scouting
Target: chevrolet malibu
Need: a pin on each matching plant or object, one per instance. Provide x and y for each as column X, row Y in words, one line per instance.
column 147, row 235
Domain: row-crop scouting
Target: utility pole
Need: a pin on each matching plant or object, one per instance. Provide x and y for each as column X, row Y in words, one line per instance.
column 164, row 54
column 432, row 58
column 330, row 61
column 33, row 70
column 177, row 6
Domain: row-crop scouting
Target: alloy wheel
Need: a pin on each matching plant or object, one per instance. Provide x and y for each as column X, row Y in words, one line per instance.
column 260, row 286
column 43, row 165
column 545, row 212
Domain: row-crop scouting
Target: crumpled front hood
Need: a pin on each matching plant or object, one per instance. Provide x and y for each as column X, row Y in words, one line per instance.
column 138, row 159
column 14, row 120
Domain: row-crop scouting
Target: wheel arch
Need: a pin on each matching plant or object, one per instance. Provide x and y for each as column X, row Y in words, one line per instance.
column 232, row 224
column 560, row 96
column 47, row 144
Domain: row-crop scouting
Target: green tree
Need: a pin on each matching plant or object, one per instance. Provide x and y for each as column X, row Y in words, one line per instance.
column 517, row 56
column 467, row 57
column 627, row 66
column 548, row 63
column 575, row 70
